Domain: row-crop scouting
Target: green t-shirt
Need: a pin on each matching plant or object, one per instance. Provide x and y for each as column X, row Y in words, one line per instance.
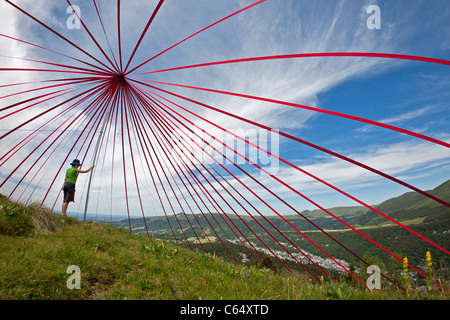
column 72, row 175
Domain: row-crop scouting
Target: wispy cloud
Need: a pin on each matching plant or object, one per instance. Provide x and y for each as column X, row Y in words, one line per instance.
column 410, row 115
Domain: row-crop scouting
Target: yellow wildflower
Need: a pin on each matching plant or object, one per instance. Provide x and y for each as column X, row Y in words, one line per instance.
column 430, row 272
column 429, row 263
column 405, row 268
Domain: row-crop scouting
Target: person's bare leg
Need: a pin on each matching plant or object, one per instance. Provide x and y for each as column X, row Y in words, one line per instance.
column 64, row 208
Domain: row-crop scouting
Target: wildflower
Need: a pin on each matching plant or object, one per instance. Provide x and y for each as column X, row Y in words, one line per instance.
column 321, row 279
column 405, row 275
column 430, row 271
column 405, row 268
column 429, row 263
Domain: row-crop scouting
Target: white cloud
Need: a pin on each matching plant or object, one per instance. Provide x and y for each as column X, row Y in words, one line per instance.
column 408, row 115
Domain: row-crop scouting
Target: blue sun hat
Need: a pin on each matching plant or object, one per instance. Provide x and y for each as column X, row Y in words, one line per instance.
column 76, row 162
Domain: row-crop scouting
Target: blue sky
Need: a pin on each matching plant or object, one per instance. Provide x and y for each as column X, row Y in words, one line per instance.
column 411, row 95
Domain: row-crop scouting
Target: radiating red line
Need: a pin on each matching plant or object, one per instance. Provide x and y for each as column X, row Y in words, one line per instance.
column 113, row 88
column 154, row 182
column 281, row 233
column 64, row 55
column 100, row 112
column 115, row 109
column 122, row 107
column 144, row 32
column 211, row 25
column 88, row 71
column 127, row 100
column 107, row 96
column 106, row 36
column 136, row 125
column 41, row 114
column 270, row 207
column 118, row 34
column 198, row 170
column 25, row 101
column 127, row 104
column 58, row 34
column 108, row 101
column 58, row 94
column 310, row 55
column 295, row 105
column 47, row 70
column 65, row 92
column 187, row 168
column 160, row 161
column 43, row 88
column 306, row 219
column 92, row 37
column 110, row 121
column 204, row 191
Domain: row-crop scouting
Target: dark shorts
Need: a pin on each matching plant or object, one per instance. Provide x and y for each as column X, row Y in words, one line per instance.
column 69, row 192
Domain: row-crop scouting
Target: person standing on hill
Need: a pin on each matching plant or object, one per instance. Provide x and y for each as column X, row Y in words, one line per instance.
column 69, row 183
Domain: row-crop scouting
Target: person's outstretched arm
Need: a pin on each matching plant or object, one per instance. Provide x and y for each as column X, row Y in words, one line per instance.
column 87, row 170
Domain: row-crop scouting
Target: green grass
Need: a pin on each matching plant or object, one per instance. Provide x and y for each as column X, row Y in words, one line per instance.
column 37, row 247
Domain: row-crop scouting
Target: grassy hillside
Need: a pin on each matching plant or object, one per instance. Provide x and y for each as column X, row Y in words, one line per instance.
column 415, row 201
column 37, row 247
